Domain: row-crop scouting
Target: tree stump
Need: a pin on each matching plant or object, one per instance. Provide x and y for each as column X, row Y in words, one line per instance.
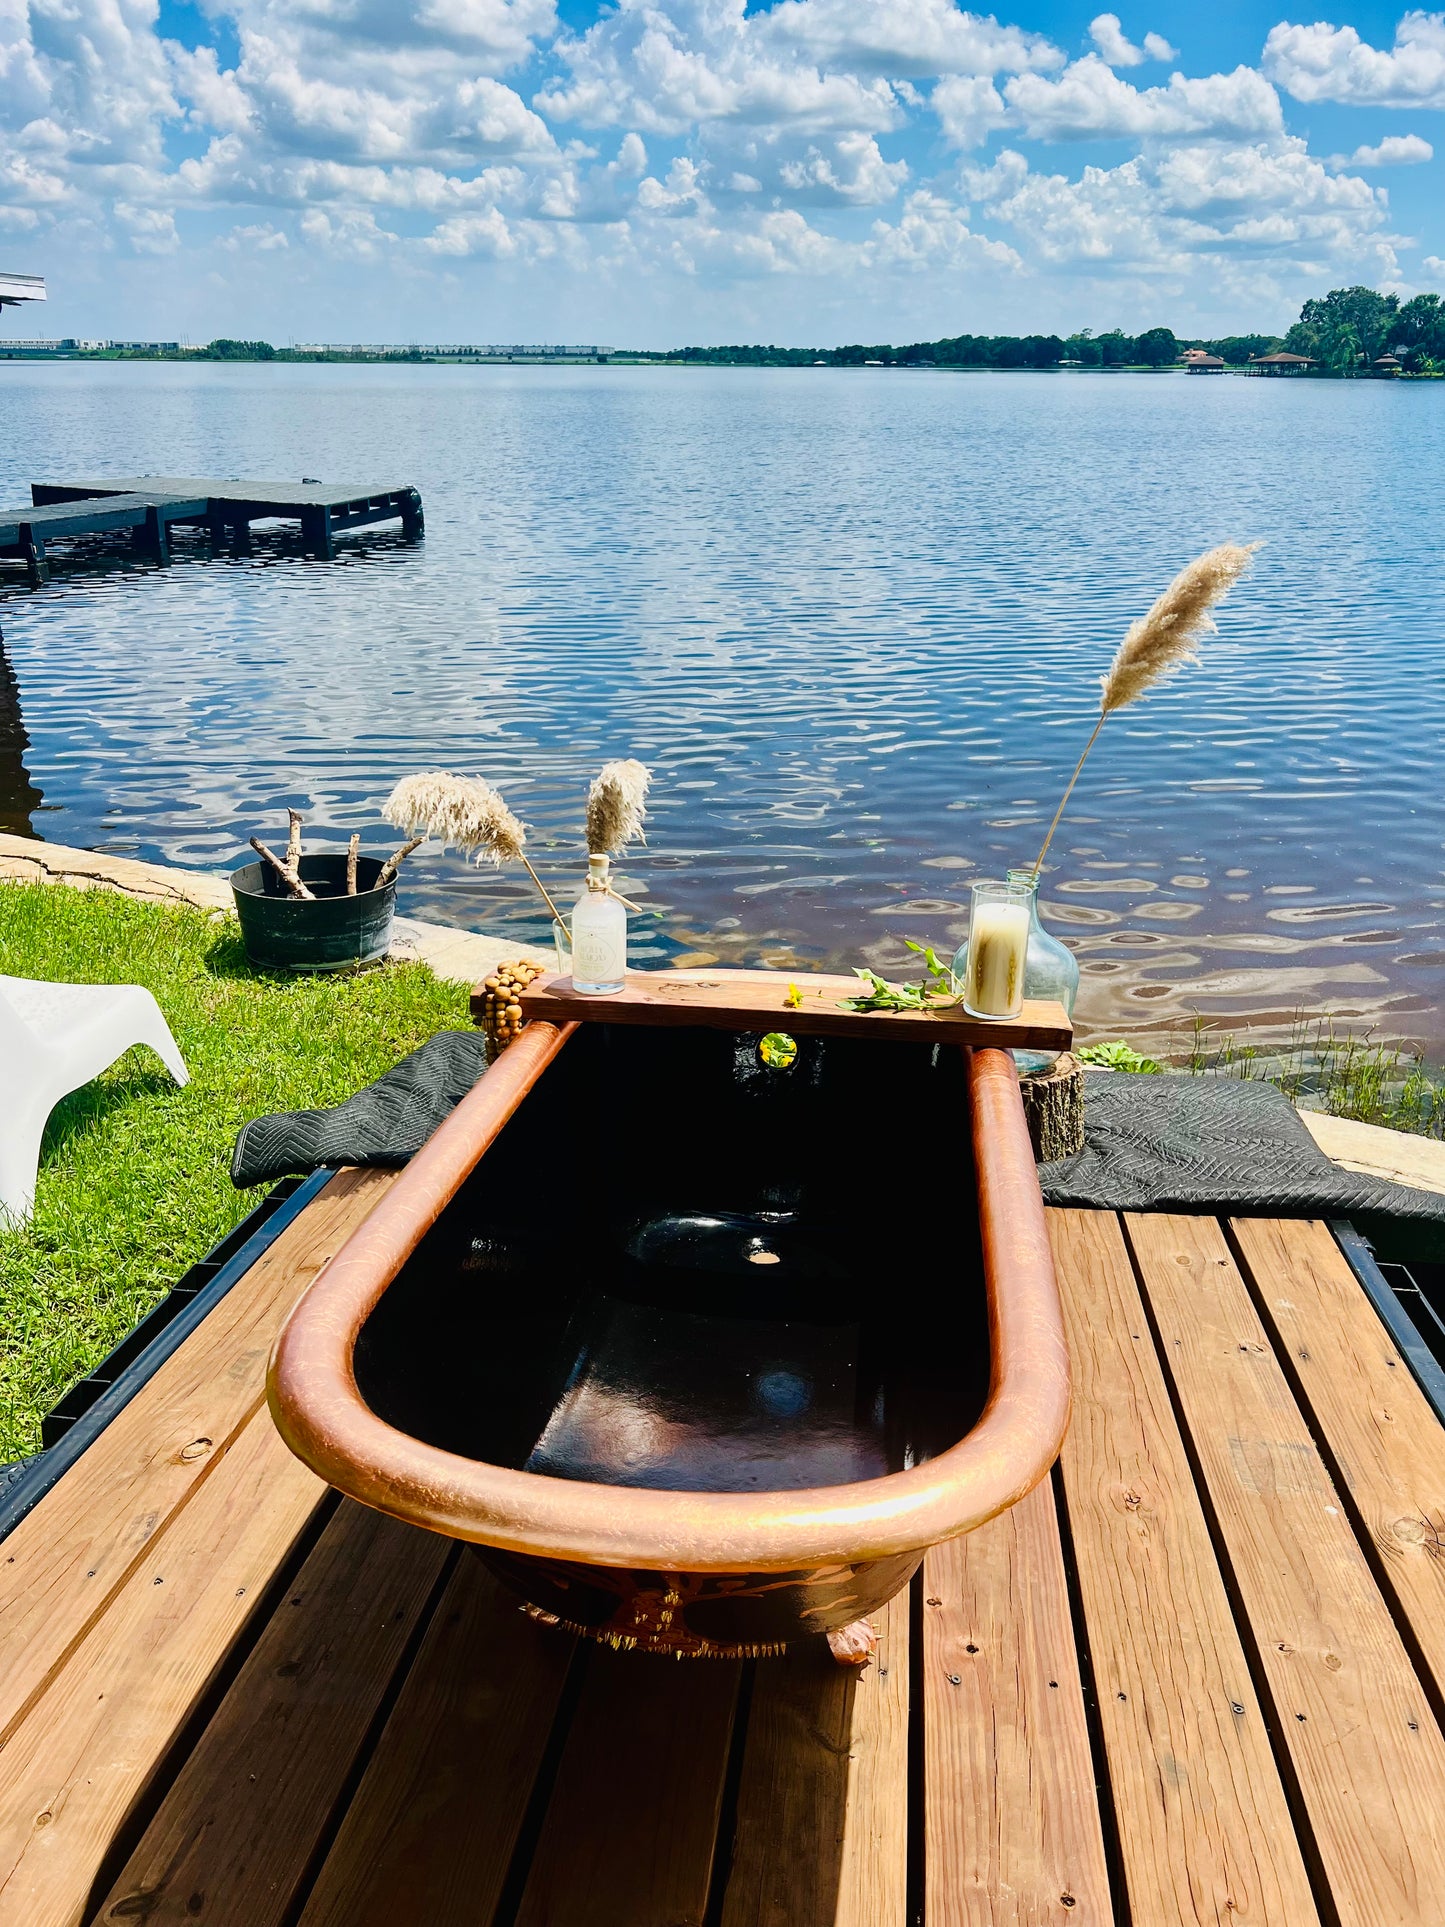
column 1054, row 1107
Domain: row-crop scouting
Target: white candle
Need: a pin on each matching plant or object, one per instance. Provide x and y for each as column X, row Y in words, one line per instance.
column 998, row 941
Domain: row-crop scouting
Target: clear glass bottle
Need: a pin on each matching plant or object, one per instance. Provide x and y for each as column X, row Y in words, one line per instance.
column 1051, row 970
column 599, row 935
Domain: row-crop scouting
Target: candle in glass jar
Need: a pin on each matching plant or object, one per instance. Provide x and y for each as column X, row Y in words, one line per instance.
column 998, row 941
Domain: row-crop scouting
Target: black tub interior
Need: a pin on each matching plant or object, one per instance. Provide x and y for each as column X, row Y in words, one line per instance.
column 682, row 1267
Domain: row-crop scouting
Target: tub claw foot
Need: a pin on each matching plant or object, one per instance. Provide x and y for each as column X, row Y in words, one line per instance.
column 853, row 1644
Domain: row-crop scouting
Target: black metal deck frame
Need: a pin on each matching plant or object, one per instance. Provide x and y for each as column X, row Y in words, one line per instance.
column 93, row 1401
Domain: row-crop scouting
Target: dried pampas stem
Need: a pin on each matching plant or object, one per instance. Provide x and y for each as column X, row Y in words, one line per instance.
column 616, row 806
column 353, row 851
column 1161, row 642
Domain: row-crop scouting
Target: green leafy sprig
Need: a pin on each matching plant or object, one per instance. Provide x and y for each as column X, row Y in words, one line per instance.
column 939, row 994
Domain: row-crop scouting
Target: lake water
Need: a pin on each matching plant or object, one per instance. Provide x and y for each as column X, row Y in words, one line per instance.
column 853, row 619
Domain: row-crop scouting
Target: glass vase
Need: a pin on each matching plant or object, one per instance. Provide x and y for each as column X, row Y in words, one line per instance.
column 1051, row 970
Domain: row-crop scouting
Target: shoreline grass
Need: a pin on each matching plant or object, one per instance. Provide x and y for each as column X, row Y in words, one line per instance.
column 134, row 1174
column 1364, row 1078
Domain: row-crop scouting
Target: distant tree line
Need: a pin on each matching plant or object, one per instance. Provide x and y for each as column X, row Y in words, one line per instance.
column 1345, row 332
column 1155, row 348
column 225, row 349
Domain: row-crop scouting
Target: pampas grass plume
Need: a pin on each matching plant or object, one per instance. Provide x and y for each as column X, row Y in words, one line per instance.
column 1160, row 642
column 616, row 806
column 1165, row 638
column 464, row 811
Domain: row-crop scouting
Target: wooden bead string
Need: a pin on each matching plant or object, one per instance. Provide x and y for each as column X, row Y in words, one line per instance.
column 501, row 1012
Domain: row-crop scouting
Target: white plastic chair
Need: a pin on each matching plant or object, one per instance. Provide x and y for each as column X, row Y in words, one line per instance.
column 53, row 1039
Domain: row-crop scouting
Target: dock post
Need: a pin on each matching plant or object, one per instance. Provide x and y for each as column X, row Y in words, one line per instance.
column 413, row 520
column 152, row 537
column 240, row 536
column 216, row 525
column 316, row 532
column 32, row 548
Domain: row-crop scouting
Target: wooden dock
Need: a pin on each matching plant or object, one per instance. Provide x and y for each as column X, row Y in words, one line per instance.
column 1197, row 1677
column 228, row 508
column 147, row 514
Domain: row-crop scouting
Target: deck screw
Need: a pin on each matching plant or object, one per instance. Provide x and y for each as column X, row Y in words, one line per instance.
column 970, row 1647
column 1236, row 1705
column 1054, row 1683
column 1300, row 1717
column 1123, row 1696
column 955, row 1679
column 1414, row 1725
column 1067, row 1900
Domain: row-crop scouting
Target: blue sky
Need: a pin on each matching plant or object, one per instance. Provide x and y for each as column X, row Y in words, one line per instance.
column 667, row 171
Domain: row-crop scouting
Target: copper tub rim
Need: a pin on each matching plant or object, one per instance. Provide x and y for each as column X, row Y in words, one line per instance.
column 320, row 1412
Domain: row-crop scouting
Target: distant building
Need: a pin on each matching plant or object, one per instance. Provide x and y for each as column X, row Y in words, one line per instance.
column 15, row 288
column 1387, row 366
column 456, row 350
column 1280, row 364
column 1200, row 363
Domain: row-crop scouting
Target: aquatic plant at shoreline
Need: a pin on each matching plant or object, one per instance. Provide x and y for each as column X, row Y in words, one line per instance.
column 1159, row 643
column 1317, row 1067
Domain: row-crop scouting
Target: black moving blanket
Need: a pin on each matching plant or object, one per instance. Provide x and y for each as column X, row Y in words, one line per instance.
column 1176, row 1142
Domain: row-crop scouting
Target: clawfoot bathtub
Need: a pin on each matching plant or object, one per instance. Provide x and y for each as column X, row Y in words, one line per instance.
column 701, row 1351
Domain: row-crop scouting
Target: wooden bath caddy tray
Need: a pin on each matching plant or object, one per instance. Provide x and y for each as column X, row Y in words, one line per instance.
column 759, row 1000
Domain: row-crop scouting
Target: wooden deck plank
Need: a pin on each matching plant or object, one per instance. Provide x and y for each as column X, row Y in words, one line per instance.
column 234, row 1837
column 1386, row 1441
column 85, row 1754
column 826, row 1763
column 1363, row 1744
column 1011, row 1813
column 632, row 1824
column 429, row 1836
column 1204, row 1829
column 62, row 1564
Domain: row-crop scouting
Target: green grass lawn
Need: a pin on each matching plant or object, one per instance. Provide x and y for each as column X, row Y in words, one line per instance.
column 134, row 1183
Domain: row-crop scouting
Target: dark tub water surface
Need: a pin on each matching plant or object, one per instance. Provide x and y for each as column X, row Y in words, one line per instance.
column 855, row 622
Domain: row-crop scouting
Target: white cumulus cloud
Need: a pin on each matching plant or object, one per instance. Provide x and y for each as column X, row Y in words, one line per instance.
column 1189, row 206
column 1325, row 62
column 905, row 39
column 1395, row 150
column 1090, row 102
column 1106, row 31
column 668, row 68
